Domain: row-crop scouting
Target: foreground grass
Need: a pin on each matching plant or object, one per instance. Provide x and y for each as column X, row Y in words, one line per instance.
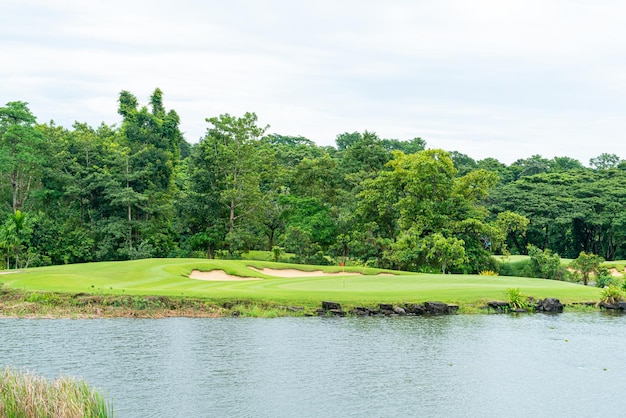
column 27, row 395
column 160, row 283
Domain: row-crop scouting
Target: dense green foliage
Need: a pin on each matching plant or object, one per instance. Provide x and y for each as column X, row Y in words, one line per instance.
column 139, row 190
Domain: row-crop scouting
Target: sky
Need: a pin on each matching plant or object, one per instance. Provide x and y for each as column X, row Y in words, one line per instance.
column 488, row 78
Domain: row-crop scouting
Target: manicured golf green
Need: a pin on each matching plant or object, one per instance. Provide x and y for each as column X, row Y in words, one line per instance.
column 170, row 277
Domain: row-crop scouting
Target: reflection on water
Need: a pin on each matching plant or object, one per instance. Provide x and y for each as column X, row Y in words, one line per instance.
column 453, row 366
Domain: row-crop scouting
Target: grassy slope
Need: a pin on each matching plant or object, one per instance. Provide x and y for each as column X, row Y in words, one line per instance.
column 168, row 277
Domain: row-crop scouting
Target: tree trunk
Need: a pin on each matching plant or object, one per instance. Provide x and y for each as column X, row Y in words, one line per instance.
column 520, row 249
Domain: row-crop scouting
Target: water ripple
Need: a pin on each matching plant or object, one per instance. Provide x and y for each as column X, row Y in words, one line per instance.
column 460, row 366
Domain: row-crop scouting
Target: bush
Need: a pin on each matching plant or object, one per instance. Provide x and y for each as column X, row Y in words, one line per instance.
column 612, row 295
column 517, row 268
column 277, row 252
column 606, row 279
column 546, row 264
column 318, row 259
column 428, row 269
column 517, row 300
column 477, row 260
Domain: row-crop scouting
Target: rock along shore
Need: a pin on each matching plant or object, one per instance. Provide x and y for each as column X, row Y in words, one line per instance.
column 384, row 309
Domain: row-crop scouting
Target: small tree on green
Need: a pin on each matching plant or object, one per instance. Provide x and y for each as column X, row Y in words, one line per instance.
column 587, row 263
column 276, row 253
column 545, row 264
column 446, row 252
column 21, row 152
column 14, row 237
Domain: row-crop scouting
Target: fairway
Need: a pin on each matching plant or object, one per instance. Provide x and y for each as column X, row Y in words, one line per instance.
column 170, row 277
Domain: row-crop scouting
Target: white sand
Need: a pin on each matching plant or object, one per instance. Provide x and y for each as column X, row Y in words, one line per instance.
column 614, row 272
column 222, row 276
column 300, row 273
column 218, row 276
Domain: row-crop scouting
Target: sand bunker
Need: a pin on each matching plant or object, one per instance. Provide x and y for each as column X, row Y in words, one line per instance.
column 222, row 276
column 218, row 276
column 300, row 273
column 614, row 272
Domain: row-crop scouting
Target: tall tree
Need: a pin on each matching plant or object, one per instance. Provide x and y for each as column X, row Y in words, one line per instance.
column 605, row 161
column 558, row 164
column 544, row 201
column 227, row 171
column 421, row 196
column 411, row 146
column 535, row 164
column 152, row 142
column 21, row 152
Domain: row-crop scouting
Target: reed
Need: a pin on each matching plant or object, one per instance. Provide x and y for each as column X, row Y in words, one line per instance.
column 23, row 394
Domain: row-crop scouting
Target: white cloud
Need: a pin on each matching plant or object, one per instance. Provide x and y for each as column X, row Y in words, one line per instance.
column 487, row 78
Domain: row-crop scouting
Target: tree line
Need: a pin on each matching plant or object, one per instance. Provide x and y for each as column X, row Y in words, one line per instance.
column 140, row 190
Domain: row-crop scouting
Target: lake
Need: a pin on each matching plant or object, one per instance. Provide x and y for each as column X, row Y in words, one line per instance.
column 568, row 365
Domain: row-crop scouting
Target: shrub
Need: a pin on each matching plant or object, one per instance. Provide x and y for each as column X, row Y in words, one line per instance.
column 612, row 295
column 277, row 252
column 517, row 268
column 477, row 261
column 605, row 278
column 545, row 264
column 488, row 273
column 428, row 269
column 516, row 299
column 318, row 259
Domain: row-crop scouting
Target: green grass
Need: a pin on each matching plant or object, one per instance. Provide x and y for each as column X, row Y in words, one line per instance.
column 169, row 277
column 27, row 395
column 511, row 258
column 616, row 264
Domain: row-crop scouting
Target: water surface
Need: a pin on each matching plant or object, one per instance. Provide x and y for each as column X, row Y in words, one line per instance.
column 455, row 366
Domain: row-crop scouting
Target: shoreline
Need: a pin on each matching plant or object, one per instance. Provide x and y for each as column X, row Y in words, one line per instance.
column 49, row 305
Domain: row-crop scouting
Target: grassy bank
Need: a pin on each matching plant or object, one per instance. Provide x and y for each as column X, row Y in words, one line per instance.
column 44, row 304
column 162, row 287
column 27, row 395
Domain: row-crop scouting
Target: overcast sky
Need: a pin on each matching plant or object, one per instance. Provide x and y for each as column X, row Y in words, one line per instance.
column 503, row 79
